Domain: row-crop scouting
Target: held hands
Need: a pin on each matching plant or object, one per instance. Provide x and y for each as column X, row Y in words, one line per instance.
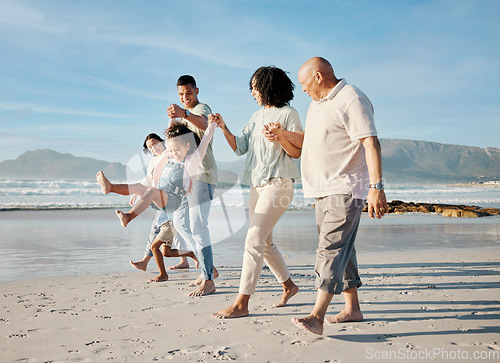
column 377, row 204
column 273, row 131
column 174, row 111
column 217, row 118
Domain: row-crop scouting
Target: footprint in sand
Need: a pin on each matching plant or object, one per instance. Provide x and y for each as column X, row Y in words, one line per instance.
column 410, row 346
column 63, row 311
column 21, row 335
column 104, row 317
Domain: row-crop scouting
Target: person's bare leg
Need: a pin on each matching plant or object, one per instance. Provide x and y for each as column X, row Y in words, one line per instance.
column 155, row 248
column 197, row 264
column 142, row 264
column 122, row 189
column 314, row 321
column 289, row 290
column 199, row 280
column 157, row 196
column 352, row 310
column 170, row 252
column 237, row 309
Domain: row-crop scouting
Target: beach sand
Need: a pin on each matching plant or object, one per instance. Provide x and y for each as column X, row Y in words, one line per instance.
column 418, row 306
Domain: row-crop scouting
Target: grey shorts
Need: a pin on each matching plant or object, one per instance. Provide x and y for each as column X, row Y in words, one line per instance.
column 337, row 218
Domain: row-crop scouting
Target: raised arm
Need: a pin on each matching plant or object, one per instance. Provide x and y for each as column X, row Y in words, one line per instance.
column 219, row 121
column 377, row 203
column 193, row 161
column 207, row 137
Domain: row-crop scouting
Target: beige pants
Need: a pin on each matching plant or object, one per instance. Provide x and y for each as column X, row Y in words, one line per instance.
column 266, row 205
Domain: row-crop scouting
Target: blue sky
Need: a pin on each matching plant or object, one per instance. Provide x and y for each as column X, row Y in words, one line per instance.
column 93, row 78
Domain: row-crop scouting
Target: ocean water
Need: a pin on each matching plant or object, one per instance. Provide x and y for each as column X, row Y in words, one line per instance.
column 61, row 228
column 66, row 194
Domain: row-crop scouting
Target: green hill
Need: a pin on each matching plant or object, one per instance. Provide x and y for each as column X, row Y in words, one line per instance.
column 51, row 165
column 407, row 160
column 403, row 161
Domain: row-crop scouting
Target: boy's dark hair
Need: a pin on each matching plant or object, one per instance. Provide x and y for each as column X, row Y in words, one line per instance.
column 149, row 137
column 184, row 134
column 274, row 86
column 186, row 79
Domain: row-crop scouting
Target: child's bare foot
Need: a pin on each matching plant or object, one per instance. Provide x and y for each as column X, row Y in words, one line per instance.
column 287, row 294
column 207, row 287
column 159, row 278
column 232, row 311
column 310, row 323
column 103, row 182
column 180, row 266
column 124, row 219
column 140, row 265
column 345, row 317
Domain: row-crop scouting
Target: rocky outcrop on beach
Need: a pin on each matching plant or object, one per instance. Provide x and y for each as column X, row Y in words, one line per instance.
column 447, row 210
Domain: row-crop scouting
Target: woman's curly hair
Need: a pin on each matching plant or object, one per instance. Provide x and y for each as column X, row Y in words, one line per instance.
column 274, row 86
column 184, row 134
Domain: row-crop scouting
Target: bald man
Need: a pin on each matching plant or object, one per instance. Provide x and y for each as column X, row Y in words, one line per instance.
column 341, row 168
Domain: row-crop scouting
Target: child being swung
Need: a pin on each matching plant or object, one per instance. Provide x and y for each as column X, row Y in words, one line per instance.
column 177, row 173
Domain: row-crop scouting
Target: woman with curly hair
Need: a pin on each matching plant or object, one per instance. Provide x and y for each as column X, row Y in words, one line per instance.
column 270, row 172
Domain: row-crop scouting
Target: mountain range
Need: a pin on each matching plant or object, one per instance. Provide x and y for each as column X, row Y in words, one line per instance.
column 47, row 164
column 403, row 161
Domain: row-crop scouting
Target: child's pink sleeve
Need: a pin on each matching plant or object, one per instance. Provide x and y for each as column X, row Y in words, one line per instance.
column 194, row 160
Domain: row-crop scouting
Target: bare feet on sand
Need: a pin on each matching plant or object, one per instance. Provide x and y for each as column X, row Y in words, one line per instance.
column 207, row 287
column 232, row 311
column 199, row 280
column 310, row 323
column 287, row 294
column 345, row 317
column 159, row 278
column 140, row 265
column 103, row 182
column 123, row 218
column 196, row 282
column 180, row 266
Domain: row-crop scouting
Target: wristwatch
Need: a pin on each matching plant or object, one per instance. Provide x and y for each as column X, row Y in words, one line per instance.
column 187, row 113
column 378, row 186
